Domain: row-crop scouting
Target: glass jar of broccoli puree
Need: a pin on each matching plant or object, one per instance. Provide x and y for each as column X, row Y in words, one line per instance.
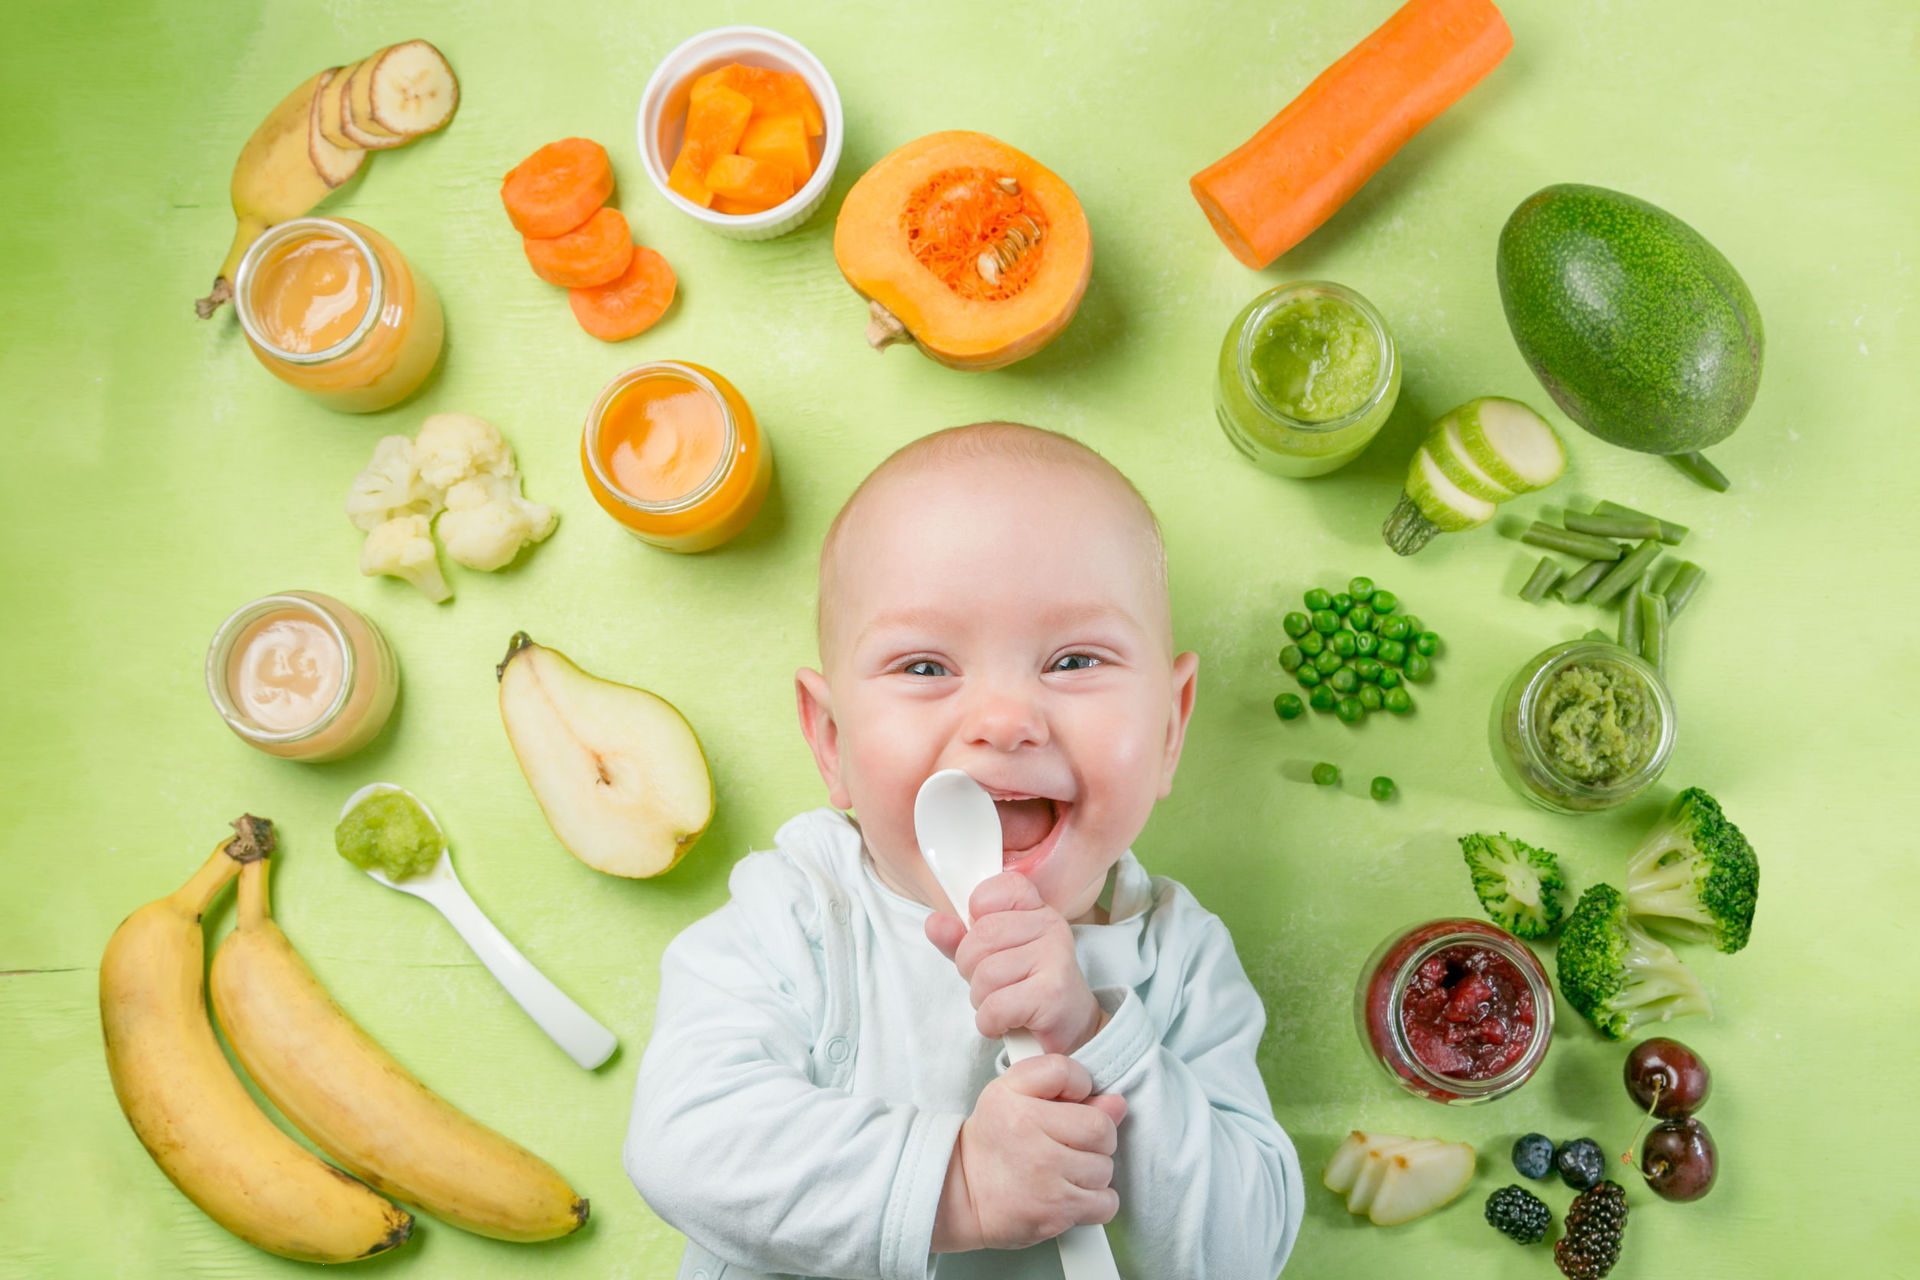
column 1308, row 375
column 1583, row 726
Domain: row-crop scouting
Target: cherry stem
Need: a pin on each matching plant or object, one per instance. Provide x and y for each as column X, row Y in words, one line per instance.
column 1626, row 1157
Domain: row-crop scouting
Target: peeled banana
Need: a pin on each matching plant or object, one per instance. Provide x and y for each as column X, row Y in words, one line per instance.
column 190, row 1110
column 345, row 1092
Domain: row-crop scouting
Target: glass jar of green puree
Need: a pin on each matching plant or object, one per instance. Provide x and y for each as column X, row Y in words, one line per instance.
column 1583, row 726
column 1308, row 374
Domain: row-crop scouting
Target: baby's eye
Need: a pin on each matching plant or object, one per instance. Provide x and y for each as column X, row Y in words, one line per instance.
column 1076, row 662
column 925, row 667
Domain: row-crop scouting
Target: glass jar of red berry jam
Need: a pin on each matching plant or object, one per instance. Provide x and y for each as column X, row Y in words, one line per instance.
column 1455, row 1010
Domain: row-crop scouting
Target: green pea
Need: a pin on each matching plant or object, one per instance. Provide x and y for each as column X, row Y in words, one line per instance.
column 1361, row 588
column 1427, row 642
column 1344, row 680
column 1328, row 662
column 1289, row 707
column 1399, row 701
column 1385, row 602
column 1389, row 677
column 1361, row 617
column 1370, row 697
column 1393, row 651
column 1418, row 669
column 1413, row 624
column 1326, row 775
column 1368, row 669
column 1312, row 643
column 1291, row 658
column 1366, row 644
column 1349, row 710
column 1295, row 624
column 1308, row 676
column 1344, row 643
column 1342, row 603
column 1322, row 698
column 1318, row 599
column 1326, row 621
column 1393, row 629
column 1382, row 788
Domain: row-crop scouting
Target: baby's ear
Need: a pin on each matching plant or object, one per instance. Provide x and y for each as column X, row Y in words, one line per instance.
column 1186, row 681
column 822, row 734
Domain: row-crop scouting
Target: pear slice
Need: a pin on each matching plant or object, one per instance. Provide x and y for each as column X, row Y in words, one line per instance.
column 334, row 163
column 1373, row 1170
column 1344, row 1168
column 1418, row 1180
column 617, row 771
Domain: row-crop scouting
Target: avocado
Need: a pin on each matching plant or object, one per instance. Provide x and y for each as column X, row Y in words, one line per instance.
column 1636, row 326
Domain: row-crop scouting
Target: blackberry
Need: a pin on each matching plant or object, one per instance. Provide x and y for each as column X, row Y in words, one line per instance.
column 1581, row 1163
column 1519, row 1214
column 1533, row 1155
column 1595, row 1222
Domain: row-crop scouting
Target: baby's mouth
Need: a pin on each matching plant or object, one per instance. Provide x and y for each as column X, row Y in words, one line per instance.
column 1024, row 823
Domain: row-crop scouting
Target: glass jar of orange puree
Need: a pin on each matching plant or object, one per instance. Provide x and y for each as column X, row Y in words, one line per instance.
column 330, row 306
column 673, row 453
column 302, row 676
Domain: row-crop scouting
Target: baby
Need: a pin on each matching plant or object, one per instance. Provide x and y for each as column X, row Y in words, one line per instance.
column 825, row 1092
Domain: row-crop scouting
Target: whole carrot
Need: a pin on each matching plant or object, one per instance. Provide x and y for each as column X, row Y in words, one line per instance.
column 1290, row 177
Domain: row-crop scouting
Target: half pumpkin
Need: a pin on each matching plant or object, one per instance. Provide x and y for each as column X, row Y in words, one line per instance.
column 966, row 247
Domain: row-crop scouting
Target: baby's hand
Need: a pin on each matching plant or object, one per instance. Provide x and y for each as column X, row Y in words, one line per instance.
column 1034, row 1158
column 1020, row 961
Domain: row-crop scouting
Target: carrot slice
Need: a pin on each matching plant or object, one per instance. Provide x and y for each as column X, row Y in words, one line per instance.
column 1290, row 177
column 628, row 304
column 756, row 182
column 558, row 187
column 780, row 140
column 594, row 252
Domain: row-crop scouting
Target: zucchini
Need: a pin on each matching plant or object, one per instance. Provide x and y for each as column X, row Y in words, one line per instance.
column 1459, row 466
column 1431, row 505
column 1510, row 442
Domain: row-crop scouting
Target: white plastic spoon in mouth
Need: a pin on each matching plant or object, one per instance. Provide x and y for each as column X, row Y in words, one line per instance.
column 566, row 1023
column 959, row 833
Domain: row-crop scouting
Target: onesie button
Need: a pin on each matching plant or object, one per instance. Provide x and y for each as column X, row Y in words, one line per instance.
column 839, row 910
column 837, row 1049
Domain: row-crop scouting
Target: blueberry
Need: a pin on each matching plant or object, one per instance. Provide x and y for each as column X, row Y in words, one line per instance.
column 1581, row 1163
column 1533, row 1156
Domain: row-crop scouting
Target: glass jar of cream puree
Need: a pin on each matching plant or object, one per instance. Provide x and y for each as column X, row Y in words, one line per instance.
column 302, row 676
column 330, row 306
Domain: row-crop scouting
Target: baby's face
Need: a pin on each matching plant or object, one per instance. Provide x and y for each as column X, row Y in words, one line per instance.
column 1007, row 619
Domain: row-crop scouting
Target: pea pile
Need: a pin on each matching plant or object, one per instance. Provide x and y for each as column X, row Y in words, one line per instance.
column 1354, row 653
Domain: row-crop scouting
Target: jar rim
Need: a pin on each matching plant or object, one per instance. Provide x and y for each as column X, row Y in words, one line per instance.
column 722, row 467
column 1526, row 728
column 1515, row 952
column 298, row 228
column 220, row 655
column 1272, row 300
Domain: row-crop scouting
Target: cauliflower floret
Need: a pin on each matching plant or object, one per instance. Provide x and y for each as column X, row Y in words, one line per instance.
column 390, row 486
column 403, row 547
column 452, row 447
column 487, row 521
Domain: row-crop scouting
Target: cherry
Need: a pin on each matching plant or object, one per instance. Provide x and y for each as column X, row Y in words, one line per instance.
column 1667, row 1078
column 1679, row 1161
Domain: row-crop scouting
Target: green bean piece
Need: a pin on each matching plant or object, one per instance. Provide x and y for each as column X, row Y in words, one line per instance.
column 1329, row 661
column 1326, row 621
column 1308, row 676
column 1427, row 643
column 1326, row 775
column 1624, row 574
column 1361, row 588
column 1394, row 629
column 1370, row 697
column 1670, row 533
column 1390, row 677
column 1392, row 651
column 1679, row 588
column 1317, row 599
column 1653, row 629
column 1349, row 710
column 1296, row 624
column 1545, row 575
column 1361, row 618
column 1344, row 643
column 1366, row 644
column 1696, row 467
column 1342, row 603
column 1384, row 602
column 1418, row 669
column 1399, row 701
column 1291, row 658
column 1382, row 788
column 1632, row 528
column 1584, row 545
column 1574, row 588
column 1312, row 644
column 1345, row 680
column 1321, row 698
column 1289, row 707
column 1629, row 634
column 1368, row 669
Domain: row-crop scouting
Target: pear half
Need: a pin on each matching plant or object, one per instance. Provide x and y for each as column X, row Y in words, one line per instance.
column 618, row 772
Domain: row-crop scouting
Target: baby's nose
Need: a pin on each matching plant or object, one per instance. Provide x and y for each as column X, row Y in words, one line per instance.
column 1006, row 720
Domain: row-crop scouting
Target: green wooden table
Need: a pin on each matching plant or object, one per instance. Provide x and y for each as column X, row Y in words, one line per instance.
column 155, row 478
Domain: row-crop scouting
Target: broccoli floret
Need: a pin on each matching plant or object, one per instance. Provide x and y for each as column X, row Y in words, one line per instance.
column 1617, row 974
column 1695, row 876
column 1519, row 885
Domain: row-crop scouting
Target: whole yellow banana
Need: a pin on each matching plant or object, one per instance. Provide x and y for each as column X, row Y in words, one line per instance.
column 345, row 1092
column 273, row 181
column 190, row 1110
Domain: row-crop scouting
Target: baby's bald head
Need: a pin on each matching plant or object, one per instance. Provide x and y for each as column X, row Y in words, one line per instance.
column 971, row 454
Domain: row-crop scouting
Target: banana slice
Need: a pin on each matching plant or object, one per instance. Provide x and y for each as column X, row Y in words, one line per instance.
column 332, row 107
column 334, row 163
column 356, row 118
column 410, row 90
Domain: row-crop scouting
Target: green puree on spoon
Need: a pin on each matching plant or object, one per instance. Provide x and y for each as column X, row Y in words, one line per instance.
column 388, row 831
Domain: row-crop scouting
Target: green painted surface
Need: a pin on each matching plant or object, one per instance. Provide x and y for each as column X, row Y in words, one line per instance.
column 156, row 478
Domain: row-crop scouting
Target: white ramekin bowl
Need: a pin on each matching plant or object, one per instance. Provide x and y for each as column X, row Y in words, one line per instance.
column 663, row 121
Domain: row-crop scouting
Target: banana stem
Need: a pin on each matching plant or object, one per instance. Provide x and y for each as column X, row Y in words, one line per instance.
column 193, row 897
column 254, row 909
